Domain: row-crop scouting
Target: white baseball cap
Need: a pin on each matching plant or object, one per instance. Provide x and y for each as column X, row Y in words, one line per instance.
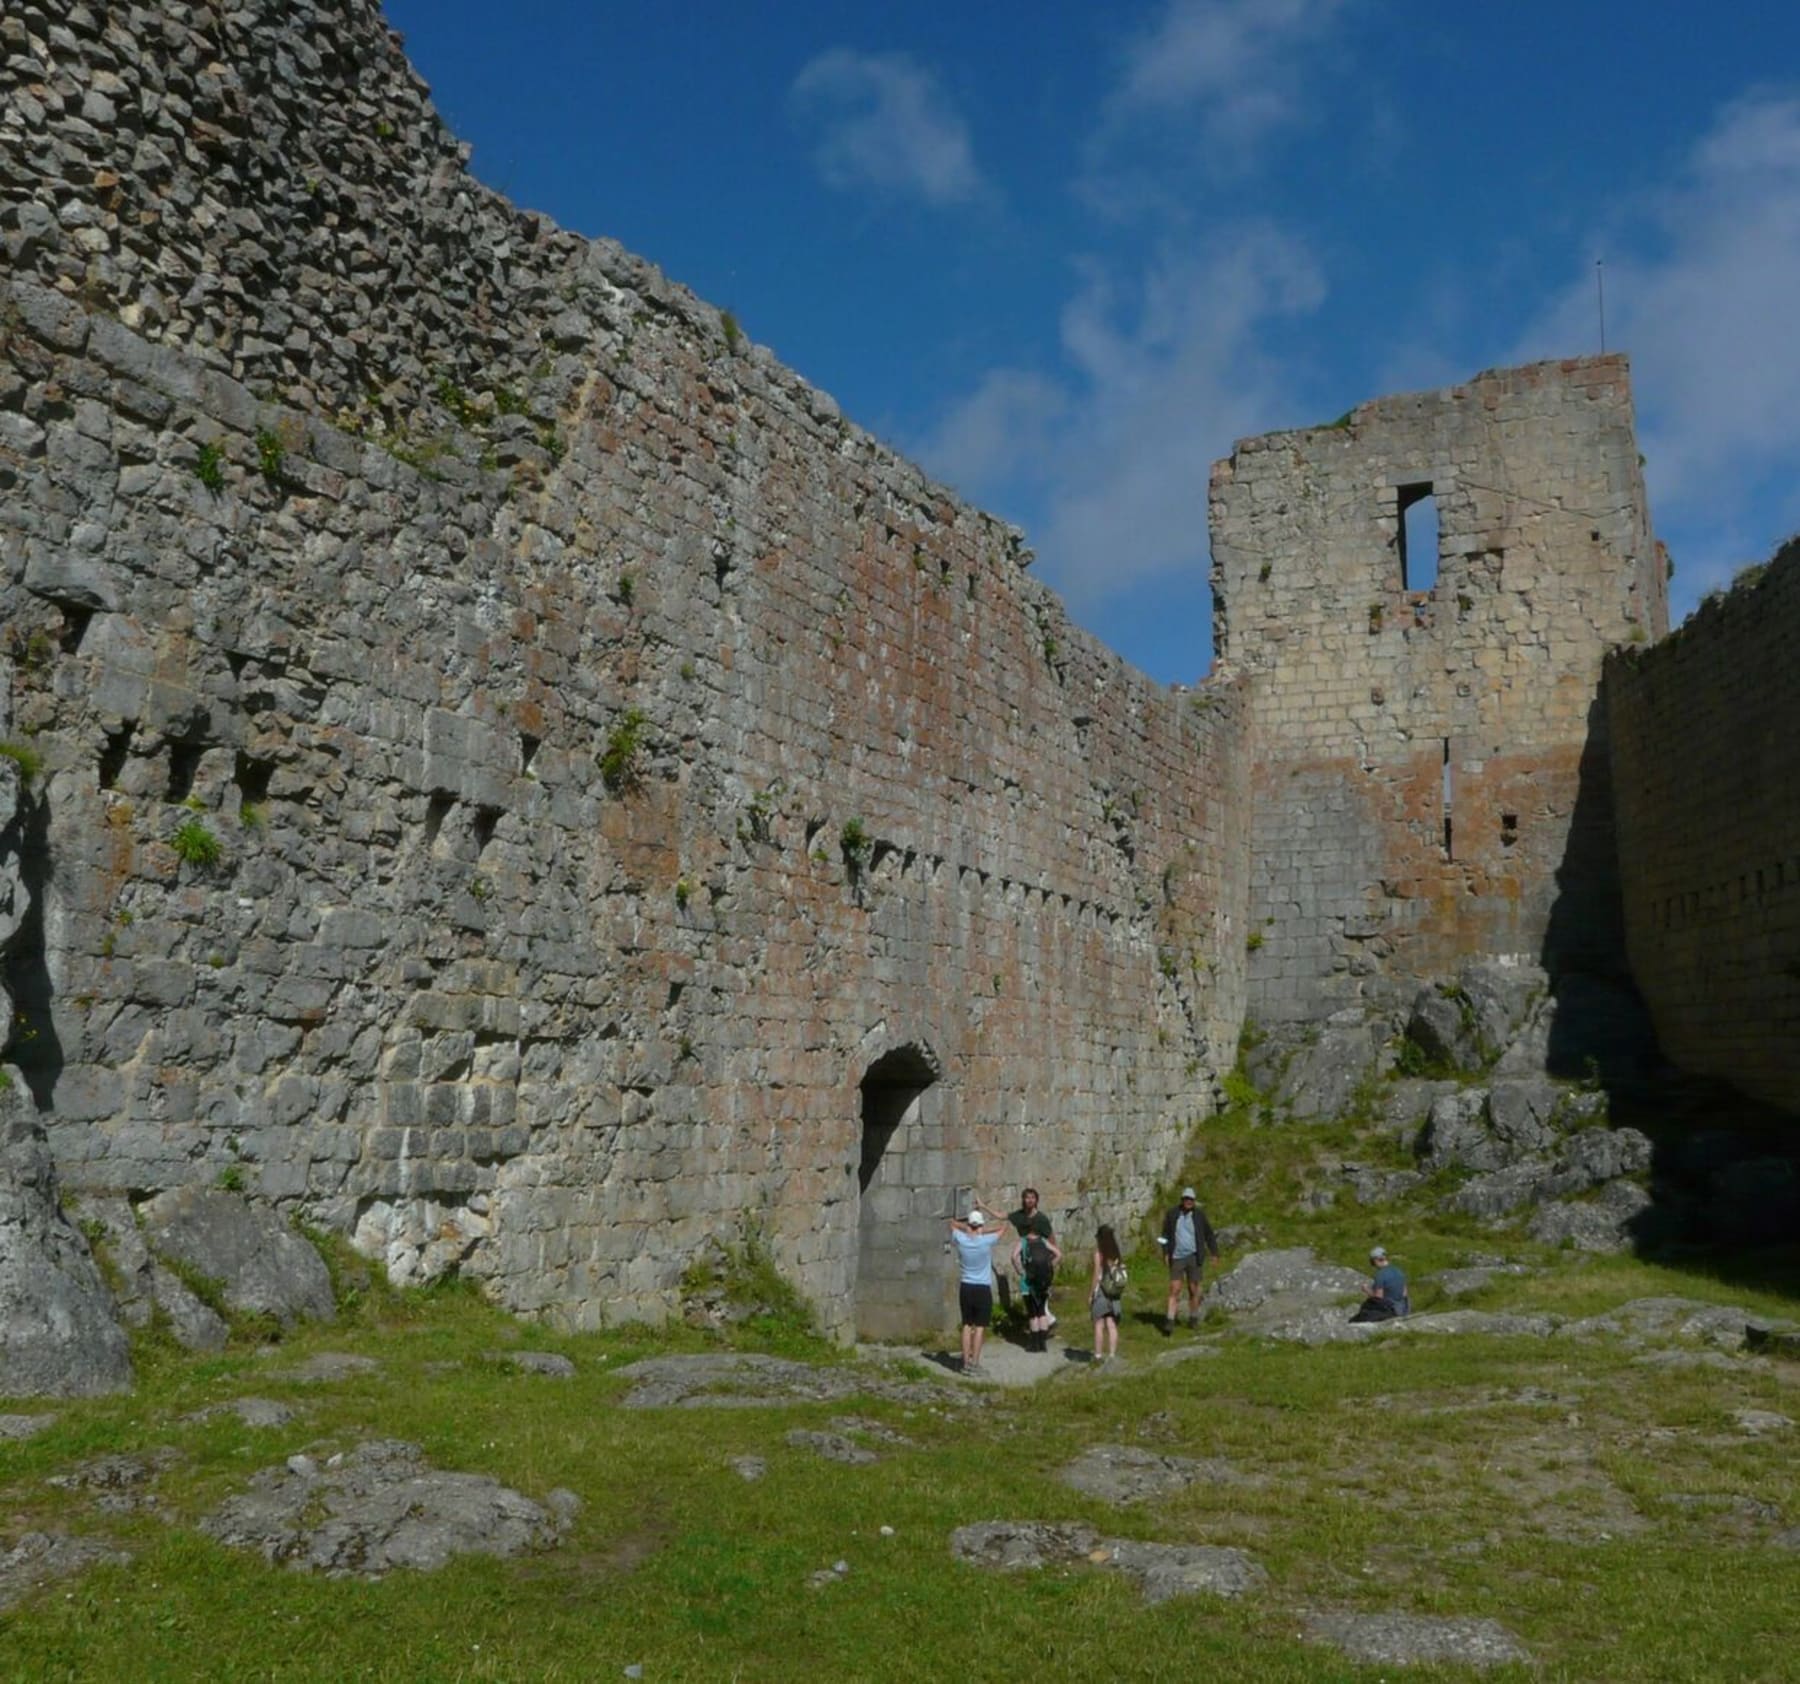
column 1189, row 1193
column 1378, row 1255
column 974, row 1219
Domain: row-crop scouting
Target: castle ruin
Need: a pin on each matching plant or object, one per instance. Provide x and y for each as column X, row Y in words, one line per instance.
column 503, row 766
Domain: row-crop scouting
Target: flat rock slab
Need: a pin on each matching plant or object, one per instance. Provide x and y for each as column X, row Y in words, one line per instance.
column 24, row 1426
column 39, row 1558
column 262, row 1265
column 1295, row 1276
column 1458, row 1283
column 1760, row 1422
column 834, row 1447
column 381, row 1507
column 547, row 1363
column 1160, row 1571
column 1123, row 1473
column 1479, row 1321
column 863, row 1427
column 1724, row 1325
column 1416, row 1639
column 118, row 1481
column 252, row 1411
column 328, row 1367
column 748, row 1468
column 728, row 1380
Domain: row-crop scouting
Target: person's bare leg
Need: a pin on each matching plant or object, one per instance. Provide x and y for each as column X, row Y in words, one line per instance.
column 976, row 1335
column 1174, row 1300
column 1112, row 1336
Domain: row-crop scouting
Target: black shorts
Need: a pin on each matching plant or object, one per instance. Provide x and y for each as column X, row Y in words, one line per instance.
column 1037, row 1293
column 977, row 1304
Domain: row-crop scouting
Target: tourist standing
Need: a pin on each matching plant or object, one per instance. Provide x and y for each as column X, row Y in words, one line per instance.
column 1028, row 1220
column 975, row 1239
column 1104, row 1292
column 1035, row 1258
column 1187, row 1238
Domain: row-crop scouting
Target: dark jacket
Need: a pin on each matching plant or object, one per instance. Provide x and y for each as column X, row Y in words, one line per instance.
column 1205, row 1240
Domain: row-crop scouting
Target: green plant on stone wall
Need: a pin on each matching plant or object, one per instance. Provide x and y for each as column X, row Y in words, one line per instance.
column 856, row 845
column 271, row 456
column 28, row 759
column 1253, row 941
column 728, row 325
column 622, row 757
column 195, row 845
column 209, row 467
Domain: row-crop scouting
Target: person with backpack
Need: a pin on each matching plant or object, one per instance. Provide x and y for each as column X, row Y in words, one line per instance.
column 1035, row 1258
column 1105, row 1292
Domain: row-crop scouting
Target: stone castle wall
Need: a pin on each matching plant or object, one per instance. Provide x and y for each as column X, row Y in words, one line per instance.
column 1706, row 769
column 1430, row 780
column 614, row 757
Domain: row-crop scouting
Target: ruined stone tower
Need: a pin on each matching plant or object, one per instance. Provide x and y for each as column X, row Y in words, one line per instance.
column 1430, row 760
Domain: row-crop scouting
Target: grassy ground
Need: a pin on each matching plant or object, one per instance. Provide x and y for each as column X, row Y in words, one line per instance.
column 1538, row 1482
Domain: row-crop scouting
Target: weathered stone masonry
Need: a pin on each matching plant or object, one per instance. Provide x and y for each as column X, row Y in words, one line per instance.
column 648, row 810
column 1706, row 768
column 616, row 756
column 1430, row 778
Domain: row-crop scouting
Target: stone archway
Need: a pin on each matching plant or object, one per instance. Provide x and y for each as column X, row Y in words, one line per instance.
column 905, row 1196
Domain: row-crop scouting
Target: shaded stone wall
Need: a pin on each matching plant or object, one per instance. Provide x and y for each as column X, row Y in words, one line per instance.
column 1706, row 772
column 611, row 754
column 1430, row 766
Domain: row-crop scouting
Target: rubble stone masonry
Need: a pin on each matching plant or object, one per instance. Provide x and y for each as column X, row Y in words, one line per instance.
column 646, row 810
column 1706, row 770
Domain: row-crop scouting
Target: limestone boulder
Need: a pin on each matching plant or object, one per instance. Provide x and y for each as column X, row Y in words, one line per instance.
column 59, row 1334
column 1602, row 1224
column 262, row 1266
column 1311, row 1074
column 1287, row 1278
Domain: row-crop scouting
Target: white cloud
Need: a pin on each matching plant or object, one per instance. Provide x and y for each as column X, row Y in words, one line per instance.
column 883, row 122
column 1701, row 282
column 1236, row 65
column 1110, row 458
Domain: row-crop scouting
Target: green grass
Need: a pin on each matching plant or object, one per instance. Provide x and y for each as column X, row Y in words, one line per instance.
column 27, row 758
column 1411, row 1474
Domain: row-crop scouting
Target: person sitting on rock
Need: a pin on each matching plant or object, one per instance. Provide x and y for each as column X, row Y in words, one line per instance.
column 1385, row 1296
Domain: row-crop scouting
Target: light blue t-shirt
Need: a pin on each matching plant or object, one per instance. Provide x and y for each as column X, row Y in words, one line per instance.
column 977, row 1252
column 1185, row 1243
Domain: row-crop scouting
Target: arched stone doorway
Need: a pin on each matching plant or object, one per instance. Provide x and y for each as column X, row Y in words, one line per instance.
column 906, row 1192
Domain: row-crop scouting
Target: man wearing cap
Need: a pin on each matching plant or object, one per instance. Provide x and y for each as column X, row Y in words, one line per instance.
column 1187, row 1237
column 1385, row 1296
column 975, row 1238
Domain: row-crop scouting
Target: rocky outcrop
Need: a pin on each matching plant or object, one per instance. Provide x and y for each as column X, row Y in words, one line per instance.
column 59, row 1336
column 382, row 1507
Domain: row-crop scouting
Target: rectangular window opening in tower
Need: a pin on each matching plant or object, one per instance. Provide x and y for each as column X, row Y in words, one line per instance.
column 1418, row 537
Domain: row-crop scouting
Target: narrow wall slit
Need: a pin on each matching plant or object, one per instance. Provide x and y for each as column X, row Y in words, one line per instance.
column 1449, row 838
column 900, row 1217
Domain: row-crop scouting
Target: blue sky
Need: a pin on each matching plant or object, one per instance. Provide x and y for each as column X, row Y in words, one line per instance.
column 1063, row 254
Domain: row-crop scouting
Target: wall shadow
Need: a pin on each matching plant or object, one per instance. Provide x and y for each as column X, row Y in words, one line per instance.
column 1724, row 1178
column 31, row 1040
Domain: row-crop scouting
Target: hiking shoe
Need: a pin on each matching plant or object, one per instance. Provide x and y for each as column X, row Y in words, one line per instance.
column 1168, row 1326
